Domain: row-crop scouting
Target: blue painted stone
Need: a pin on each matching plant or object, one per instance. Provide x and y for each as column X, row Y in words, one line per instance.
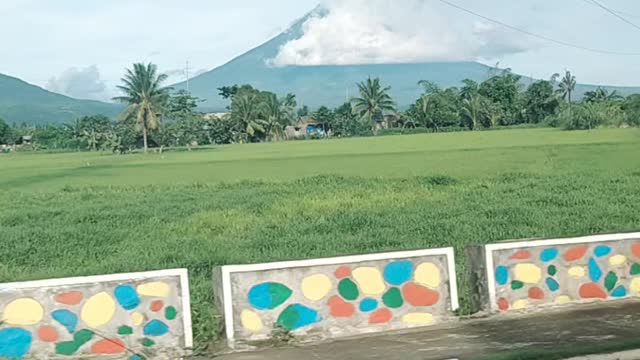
column 14, row 343
column 67, row 319
column 136, row 357
column 368, row 305
column 127, row 297
column 594, row 270
column 619, row 292
column 502, row 275
column 552, row 284
column 602, row 250
column 306, row 316
column 155, row 328
column 548, row 255
column 398, row 272
column 268, row 296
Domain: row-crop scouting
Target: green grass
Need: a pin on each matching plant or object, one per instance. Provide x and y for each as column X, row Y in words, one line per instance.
column 83, row 214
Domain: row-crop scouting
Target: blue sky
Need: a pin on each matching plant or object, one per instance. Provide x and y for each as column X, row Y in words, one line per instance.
column 81, row 47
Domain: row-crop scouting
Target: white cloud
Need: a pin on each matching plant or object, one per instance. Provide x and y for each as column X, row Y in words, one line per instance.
column 383, row 31
column 80, row 83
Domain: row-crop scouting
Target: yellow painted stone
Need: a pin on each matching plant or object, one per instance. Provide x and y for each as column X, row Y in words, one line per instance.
column 98, row 310
column 23, row 312
column 369, row 280
column 561, row 300
column 635, row 286
column 418, row 318
column 428, row 274
column 577, row 272
column 316, row 287
column 617, row 260
column 251, row 321
column 528, row 273
column 136, row 318
column 154, row 289
column 520, row 305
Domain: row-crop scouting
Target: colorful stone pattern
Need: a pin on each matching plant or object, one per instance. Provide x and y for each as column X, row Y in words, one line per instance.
column 133, row 320
column 537, row 276
column 352, row 298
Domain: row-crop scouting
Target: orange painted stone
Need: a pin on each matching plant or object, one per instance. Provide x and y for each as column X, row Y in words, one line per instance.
column 419, row 296
column 342, row 272
column 156, row 305
column 340, row 308
column 635, row 249
column 381, row 316
column 48, row 334
column 108, row 346
column 521, row 255
column 69, row 298
column 592, row 291
column 576, row 253
column 503, row 304
column 536, row 293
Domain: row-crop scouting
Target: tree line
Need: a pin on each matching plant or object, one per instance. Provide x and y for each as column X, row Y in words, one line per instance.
column 157, row 117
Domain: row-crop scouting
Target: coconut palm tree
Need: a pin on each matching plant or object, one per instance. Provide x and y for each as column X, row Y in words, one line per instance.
column 145, row 95
column 566, row 87
column 602, row 95
column 473, row 111
column 374, row 102
column 276, row 114
column 245, row 112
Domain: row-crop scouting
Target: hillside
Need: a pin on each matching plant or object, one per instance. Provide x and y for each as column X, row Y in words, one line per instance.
column 23, row 102
column 332, row 85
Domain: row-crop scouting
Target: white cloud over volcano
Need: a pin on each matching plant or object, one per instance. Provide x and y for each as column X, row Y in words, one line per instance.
column 392, row 31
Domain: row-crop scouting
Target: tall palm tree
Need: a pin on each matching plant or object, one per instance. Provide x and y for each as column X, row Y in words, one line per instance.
column 374, row 102
column 145, row 95
column 277, row 113
column 566, row 87
column 245, row 112
column 473, row 111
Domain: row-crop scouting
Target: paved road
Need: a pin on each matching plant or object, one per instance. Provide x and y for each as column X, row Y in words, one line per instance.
column 587, row 329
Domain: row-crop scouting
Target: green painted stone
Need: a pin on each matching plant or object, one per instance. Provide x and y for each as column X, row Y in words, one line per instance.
column 67, row 348
column 635, row 269
column 610, row 281
column 170, row 313
column 393, row 298
column 148, row 342
column 279, row 294
column 71, row 347
column 288, row 318
column 348, row 290
column 552, row 270
column 517, row 285
column 125, row 330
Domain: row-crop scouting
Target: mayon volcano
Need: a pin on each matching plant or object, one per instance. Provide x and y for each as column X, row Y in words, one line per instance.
column 332, row 85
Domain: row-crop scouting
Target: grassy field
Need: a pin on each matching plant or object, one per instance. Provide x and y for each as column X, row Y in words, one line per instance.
column 83, row 214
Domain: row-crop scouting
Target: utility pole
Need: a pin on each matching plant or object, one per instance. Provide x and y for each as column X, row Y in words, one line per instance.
column 187, row 74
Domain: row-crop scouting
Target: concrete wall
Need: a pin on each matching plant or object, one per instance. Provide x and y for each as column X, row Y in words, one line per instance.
column 336, row 297
column 532, row 274
column 127, row 316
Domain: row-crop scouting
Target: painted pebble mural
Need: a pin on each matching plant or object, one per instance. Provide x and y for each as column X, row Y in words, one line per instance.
column 133, row 316
column 558, row 274
column 343, row 297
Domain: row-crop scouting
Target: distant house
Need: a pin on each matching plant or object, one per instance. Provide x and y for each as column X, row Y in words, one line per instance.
column 25, row 140
column 211, row 116
column 307, row 126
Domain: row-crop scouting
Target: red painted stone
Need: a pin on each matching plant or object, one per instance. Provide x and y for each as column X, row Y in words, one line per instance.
column 635, row 249
column 381, row 316
column 536, row 293
column 343, row 272
column 521, row 255
column 419, row 296
column 156, row 306
column 503, row 304
column 340, row 308
column 576, row 253
column 110, row 346
column 48, row 334
column 592, row 291
column 69, row 298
